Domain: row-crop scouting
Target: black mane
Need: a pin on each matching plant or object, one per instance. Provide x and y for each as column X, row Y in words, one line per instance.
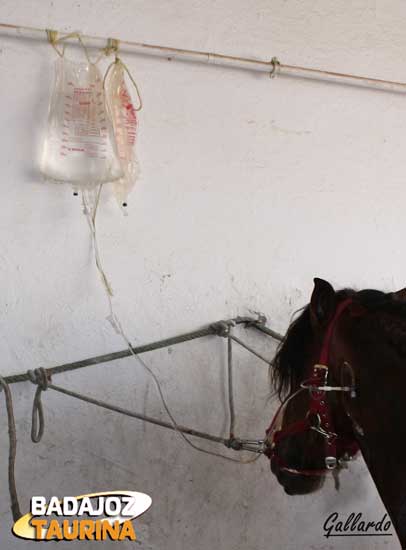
column 287, row 369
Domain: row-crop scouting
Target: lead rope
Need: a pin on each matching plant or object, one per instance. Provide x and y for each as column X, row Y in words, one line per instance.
column 15, row 507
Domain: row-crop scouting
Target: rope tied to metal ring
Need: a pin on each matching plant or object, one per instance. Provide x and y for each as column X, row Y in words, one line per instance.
column 276, row 67
column 40, row 378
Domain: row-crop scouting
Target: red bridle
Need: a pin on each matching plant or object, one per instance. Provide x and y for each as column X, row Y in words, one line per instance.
column 318, row 417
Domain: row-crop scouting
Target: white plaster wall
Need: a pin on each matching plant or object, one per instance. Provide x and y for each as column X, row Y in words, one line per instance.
column 250, row 187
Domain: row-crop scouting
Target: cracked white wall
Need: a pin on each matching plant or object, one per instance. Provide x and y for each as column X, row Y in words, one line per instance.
column 250, row 187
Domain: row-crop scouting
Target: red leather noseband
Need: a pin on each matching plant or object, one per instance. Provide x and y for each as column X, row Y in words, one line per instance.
column 318, row 417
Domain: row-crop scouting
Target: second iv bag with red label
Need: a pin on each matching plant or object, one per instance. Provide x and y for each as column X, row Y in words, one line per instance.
column 125, row 123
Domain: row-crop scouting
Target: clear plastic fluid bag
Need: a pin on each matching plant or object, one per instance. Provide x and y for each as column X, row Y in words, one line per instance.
column 79, row 146
column 125, row 123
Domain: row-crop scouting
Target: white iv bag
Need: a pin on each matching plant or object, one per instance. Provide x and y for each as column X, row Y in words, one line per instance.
column 124, row 117
column 79, row 146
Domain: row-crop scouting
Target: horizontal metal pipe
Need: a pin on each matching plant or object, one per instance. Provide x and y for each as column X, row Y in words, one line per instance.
column 211, row 330
column 23, row 377
column 181, row 54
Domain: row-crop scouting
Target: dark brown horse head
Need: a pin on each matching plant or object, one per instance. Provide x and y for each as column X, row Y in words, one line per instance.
column 362, row 338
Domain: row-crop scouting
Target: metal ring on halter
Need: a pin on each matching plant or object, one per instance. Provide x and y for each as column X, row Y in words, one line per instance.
column 318, row 427
column 311, row 387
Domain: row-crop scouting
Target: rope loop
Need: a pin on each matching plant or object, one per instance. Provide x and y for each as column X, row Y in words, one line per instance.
column 41, row 379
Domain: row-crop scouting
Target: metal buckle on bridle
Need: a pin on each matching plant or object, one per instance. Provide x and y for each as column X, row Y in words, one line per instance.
column 330, row 462
column 312, row 388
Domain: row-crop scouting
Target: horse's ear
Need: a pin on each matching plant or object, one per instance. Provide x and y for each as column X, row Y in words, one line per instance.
column 322, row 303
column 400, row 295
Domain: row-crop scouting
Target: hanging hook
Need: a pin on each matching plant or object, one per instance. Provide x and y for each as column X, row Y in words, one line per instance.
column 112, row 46
column 276, row 67
column 52, row 37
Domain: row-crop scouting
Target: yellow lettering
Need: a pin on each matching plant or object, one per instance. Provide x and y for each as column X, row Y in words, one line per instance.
column 111, row 530
column 54, row 530
column 39, row 524
column 70, row 533
column 98, row 526
column 127, row 531
column 86, row 529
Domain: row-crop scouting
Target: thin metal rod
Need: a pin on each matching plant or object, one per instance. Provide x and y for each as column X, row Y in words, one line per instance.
column 266, row 330
column 140, row 416
column 237, row 444
column 249, row 348
column 223, row 60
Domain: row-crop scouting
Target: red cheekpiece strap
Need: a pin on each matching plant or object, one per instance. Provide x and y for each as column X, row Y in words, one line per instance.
column 329, row 333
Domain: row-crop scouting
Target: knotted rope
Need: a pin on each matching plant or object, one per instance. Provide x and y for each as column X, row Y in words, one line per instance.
column 41, row 378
